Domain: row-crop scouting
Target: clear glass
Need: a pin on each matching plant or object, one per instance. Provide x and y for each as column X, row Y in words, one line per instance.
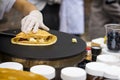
column 113, row 36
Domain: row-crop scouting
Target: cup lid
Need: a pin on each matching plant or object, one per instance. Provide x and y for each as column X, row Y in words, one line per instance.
column 107, row 51
column 96, row 68
column 119, row 77
column 12, row 65
column 73, row 73
column 108, row 59
column 45, row 70
column 112, row 72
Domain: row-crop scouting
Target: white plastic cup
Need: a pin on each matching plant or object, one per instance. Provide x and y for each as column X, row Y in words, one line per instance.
column 108, row 52
column 96, row 68
column 44, row 70
column 73, row 73
column 119, row 77
column 108, row 59
column 12, row 65
column 112, row 72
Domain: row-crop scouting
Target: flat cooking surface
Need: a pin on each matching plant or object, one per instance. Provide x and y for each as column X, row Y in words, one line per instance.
column 63, row 48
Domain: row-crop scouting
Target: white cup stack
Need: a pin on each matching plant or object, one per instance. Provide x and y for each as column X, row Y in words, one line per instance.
column 109, row 52
column 96, row 68
column 73, row 73
column 44, row 70
column 108, row 59
column 119, row 77
column 12, row 65
column 112, row 72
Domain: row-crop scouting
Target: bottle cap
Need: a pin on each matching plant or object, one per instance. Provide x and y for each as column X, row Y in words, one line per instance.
column 73, row 73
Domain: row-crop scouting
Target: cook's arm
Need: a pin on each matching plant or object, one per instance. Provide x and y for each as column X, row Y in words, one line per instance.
column 24, row 6
column 33, row 19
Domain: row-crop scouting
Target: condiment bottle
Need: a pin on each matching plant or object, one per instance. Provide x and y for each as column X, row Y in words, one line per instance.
column 88, row 55
column 73, row 73
column 96, row 50
column 44, row 70
column 95, row 70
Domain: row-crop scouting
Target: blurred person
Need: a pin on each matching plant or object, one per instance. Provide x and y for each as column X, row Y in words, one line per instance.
column 50, row 11
column 33, row 18
column 103, row 12
column 72, row 17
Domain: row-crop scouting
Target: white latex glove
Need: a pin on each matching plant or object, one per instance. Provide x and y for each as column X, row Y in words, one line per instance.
column 33, row 22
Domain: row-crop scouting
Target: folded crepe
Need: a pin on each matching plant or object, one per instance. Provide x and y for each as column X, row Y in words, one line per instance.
column 11, row 74
column 41, row 38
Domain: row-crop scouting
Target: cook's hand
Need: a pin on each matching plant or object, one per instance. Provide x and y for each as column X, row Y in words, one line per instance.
column 33, row 21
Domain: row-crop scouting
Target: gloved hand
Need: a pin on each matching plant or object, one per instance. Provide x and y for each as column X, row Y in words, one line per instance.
column 33, row 22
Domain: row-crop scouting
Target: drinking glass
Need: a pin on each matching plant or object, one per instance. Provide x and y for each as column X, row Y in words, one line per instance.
column 113, row 36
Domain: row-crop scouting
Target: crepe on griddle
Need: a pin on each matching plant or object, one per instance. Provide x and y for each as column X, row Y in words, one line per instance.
column 40, row 38
column 11, row 74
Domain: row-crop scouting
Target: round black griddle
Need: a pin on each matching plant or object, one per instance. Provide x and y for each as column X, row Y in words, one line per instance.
column 61, row 54
column 63, row 48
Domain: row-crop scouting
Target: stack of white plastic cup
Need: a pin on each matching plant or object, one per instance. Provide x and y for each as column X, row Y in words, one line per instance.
column 108, row 59
column 95, row 69
column 73, row 73
column 44, row 70
column 108, row 52
column 119, row 77
column 112, row 73
column 12, row 65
